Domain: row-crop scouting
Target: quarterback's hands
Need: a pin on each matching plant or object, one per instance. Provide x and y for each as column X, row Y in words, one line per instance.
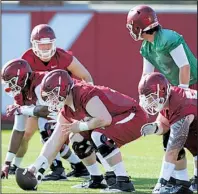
column 149, row 129
column 5, row 170
column 13, row 110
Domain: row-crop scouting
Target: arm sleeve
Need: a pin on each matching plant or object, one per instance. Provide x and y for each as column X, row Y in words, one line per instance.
column 147, row 66
column 179, row 56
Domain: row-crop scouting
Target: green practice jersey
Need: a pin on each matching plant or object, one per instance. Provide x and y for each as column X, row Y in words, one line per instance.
column 158, row 54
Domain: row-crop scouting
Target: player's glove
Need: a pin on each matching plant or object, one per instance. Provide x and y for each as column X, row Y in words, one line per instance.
column 5, row 170
column 149, row 129
column 13, row 110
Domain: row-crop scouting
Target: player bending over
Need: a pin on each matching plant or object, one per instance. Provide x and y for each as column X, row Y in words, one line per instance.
column 177, row 107
column 97, row 119
column 24, row 86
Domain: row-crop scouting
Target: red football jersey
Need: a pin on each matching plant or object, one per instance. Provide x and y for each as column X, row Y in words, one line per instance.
column 61, row 60
column 115, row 102
column 181, row 103
column 28, row 95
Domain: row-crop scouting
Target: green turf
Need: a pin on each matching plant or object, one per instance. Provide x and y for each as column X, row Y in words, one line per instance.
column 142, row 159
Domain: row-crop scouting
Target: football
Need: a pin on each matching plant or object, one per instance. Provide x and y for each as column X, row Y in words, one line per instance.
column 25, row 179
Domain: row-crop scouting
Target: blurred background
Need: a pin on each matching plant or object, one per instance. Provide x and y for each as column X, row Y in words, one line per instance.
column 96, row 34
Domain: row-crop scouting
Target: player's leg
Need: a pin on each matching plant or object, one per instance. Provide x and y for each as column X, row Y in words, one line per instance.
column 179, row 134
column 57, row 170
column 191, row 145
column 49, row 151
column 85, row 151
column 30, row 129
column 78, row 168
column 111, row 154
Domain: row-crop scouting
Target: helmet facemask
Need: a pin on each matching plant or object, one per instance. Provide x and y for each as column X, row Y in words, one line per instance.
column 133, row 35
column 44, row 54
column 153, row 103
column 11, row 86
column 53, row 100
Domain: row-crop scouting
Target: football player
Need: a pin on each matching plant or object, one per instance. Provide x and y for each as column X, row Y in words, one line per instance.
column 23, row 84
column 96, row 118
column 177, row 107
column 166, row 51
column 45, row 56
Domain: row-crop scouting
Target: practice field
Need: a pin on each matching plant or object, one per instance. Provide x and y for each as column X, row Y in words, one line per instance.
column 142, row 159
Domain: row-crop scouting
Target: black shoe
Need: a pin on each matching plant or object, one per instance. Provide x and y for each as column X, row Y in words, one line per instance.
column 194, row 182
column 57, row 175
column 181, row 187
column 79, row 170
column 96, row 182
column 110, row 178
column 123, row 184
column 12, row 169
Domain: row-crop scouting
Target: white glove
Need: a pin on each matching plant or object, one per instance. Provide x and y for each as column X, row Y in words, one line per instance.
column 149, row 129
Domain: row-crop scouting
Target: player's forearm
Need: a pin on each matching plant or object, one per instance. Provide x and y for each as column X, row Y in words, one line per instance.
column 184, row 75
column 94, row 123
column 41, row 111
column 87, row 78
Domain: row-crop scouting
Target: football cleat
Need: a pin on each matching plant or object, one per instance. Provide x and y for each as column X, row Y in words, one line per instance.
column 25, row 179
column 12, row 169
column 181, row 187
column 194, row 182
column 57, row 175
column 96, row 182
column 79, row 170
column 123, row 184
column 110, row 178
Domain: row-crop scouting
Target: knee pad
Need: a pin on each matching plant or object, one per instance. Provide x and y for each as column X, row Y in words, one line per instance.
column 181, row 154
column 82, row 147
column 103, row 145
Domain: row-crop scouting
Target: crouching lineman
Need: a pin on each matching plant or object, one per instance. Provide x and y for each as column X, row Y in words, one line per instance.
column 23, row 85
column 95, row 117
column 177, row 108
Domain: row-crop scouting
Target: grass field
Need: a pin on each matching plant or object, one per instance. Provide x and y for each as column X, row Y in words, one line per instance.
column 142, row 159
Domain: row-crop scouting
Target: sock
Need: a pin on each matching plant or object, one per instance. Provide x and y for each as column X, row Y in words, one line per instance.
column 195, row 166
column 41, row 162
column 93, row 169
column 58, row 157
column 106, row 166
column 119, row 169
column 17, row 161
column 73, row 158
column 173, row 174
column 182, row 174
column 167, row 170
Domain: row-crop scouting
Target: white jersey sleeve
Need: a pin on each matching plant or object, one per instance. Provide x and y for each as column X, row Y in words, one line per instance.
column 147, row 66
column 179, row 56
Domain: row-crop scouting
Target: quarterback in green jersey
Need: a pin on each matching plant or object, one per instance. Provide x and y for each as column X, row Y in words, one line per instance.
column 166, row 51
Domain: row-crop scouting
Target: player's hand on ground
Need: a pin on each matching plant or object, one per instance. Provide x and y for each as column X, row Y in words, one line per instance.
column 149, row 129
column 5, row 170
column 71, row 127
column 13, row 110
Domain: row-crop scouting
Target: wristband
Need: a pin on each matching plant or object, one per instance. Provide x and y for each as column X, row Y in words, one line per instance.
column 90, row 83
column 27, row 110
column 83, row 126
column 9, row 156
column 183, row 85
